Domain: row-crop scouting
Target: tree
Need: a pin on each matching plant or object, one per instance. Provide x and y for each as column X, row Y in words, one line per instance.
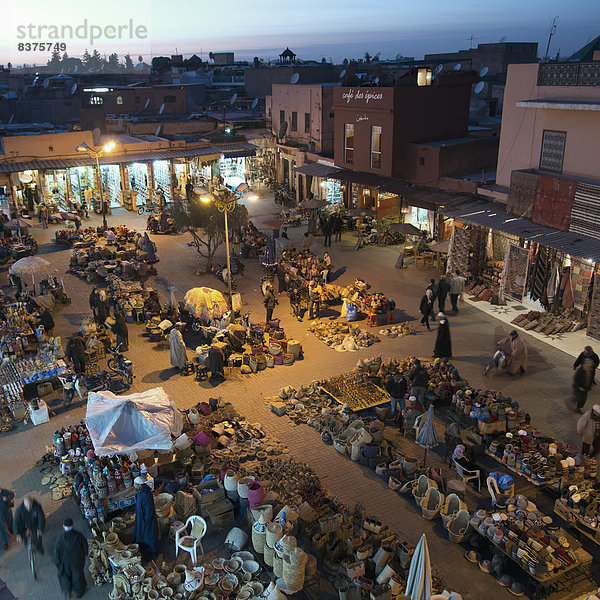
column 87, row 57
column 206, row 224
column 113, row 62
column 54, row 62
column 140, row 59
column 367, row 57
column 128, row 63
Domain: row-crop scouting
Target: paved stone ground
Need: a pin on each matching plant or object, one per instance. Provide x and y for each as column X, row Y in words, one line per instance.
column 543, row 391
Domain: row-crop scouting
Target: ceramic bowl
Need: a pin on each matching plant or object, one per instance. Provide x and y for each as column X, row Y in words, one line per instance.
column 218, row 563
column 243, row 555
column 250, row 566
column 233, row 565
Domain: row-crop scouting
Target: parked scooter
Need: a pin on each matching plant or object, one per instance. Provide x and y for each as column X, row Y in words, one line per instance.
column 121, row 365
column 71, row 384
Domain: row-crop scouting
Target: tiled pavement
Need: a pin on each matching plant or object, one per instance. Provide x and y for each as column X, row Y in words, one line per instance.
column 543, row 391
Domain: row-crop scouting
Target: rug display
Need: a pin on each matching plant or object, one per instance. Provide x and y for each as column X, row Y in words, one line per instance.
column 581, row 278
column 585, row 216
column 553, row 202
column 458, row 250
column 521, row 197
column 514, row 276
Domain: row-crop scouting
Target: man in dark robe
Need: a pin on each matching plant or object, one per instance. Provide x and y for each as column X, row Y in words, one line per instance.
column 75, row 352
column 6, row 518
column 145, row 528
column 70, row 551
column 443, row 346
column 121, row 331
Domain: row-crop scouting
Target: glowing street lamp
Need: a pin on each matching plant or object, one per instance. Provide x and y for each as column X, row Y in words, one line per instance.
column 96, row 154
column 226, row 200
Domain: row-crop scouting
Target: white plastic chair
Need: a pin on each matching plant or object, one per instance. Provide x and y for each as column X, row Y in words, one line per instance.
column 198, row 530
column 467, row 475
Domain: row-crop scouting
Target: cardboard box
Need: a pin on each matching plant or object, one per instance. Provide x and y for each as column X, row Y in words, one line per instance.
column 215, row 495
column 220, row 512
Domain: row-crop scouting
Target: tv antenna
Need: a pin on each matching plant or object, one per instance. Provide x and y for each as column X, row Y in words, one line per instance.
column 552, row 32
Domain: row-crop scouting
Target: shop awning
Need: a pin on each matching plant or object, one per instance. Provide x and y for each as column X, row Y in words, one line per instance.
column 414, row 195
column 317, row 170
column 492, row 215
column 209, row 152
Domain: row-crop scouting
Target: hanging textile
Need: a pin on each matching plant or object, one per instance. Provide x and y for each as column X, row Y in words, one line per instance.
column 552, row 286
column 566, row 289
column 581, row 278
column 458, row 250
column 553, row 202
column 540, row 273
column 585, row 217
column 514, row 275
column 593, row 329
column 521, row 196
column 479, row 250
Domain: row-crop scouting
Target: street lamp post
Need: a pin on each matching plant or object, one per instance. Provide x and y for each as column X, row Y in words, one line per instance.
column 96, row 154
column 226, row 200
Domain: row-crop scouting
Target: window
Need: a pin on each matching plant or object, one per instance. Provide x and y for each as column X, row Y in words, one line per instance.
column 281, row 117
column 119, row 99
column 294, row 121
column 424, row 77
column 306, row 122
column 348, row 143
column 170, row 99
column 137, row 99
column 421, row 161
column 553, row 150
column 96, row 100
column 269, row 112
column 376, row 147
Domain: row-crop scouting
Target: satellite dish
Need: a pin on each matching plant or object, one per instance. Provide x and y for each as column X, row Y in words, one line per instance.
column 161, row 110
column 254, row 103
column 343, row 73
column 438, row 69
column 399, row 56
column 147, row 103
column 295, row 78
column 457, row 67
column 46, row 83
column 73, row 88
column 158, row 131
column 282, row 129
column 233, row 99
column 479, row 87
column 376, row 80
column 75, row 68
column 483, row 72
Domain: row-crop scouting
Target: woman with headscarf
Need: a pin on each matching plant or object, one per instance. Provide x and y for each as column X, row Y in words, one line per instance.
column 177, row 347
column 443, row 345
column 583, row 379
column 459, row 457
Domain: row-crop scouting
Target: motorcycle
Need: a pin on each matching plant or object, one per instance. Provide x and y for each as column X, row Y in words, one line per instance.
column 71, row 384
column 500, row 360
column 221, row 273
column 121, row 365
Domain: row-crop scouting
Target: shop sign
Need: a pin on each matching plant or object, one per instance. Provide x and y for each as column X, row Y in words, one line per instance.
column 366, row 97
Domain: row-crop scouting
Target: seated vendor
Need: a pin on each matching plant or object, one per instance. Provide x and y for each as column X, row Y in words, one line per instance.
column 459, row 457
column 111, row 237
column 152, row 306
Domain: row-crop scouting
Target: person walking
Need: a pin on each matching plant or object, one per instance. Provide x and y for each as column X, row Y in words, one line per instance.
column 457, row 285
column 75, row 352
column 121, row 331
column 443, row 345
column 583, row 380
column 30, row 521
column 43, row 212
column 315, row 291
column 94, row 299
column 588, row 352
column 327, row 228
column 6, row 518
column 69, row 554
column 145, row 527
column 269, row 302
column 178, row 353
column 396, row 387
column 426, row 307
column 514, row 347
column 338, row 225
column 588, row 429
column 434, row 290
column 443, row 287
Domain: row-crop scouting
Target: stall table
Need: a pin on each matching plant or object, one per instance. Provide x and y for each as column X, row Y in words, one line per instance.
column 573, row 518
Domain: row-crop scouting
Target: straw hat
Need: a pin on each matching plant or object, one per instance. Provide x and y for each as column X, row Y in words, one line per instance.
column 485, row 566
column 472, row 556
column 505, row 580
column 516, row 589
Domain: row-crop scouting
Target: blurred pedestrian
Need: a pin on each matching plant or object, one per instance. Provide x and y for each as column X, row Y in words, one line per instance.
column 582, row 383
column 269, row 302
column 443, row 345
column 588, row 428
column 457, row 285
column 121, row 330
column 30, row 522
column 588, row 352
column 443, row 287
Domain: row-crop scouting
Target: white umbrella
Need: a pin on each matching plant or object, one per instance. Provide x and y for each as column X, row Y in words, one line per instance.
column 418, row 583
column 28, row 265
column 427, row 437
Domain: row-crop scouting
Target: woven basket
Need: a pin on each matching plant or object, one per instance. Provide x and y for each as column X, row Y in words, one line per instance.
column 274, row 533
column 311, row 565
column 269, row 555
column 277, row 566
column 294, row 569
column 270, row 361
column 288, row 359
column 274, row 348
column 258, row 541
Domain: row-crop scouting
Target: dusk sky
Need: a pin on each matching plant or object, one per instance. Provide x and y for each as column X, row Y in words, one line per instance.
column 312, row 28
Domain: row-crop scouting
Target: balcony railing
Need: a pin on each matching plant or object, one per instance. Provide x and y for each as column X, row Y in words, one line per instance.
column 587, row 74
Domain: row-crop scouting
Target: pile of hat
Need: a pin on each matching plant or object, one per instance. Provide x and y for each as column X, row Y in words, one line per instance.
column 495, row 567
column 343, row 337
column 536, row 456
column 399, row 330
column 584, row 500
column 528, row 536
column 487, row 406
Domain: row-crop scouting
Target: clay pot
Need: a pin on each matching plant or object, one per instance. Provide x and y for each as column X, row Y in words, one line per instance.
column 256, row 494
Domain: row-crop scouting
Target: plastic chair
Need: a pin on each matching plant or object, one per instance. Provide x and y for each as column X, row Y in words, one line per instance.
column 499, row 498
column 372, row 320
column 190, row 542
column 468, row 475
